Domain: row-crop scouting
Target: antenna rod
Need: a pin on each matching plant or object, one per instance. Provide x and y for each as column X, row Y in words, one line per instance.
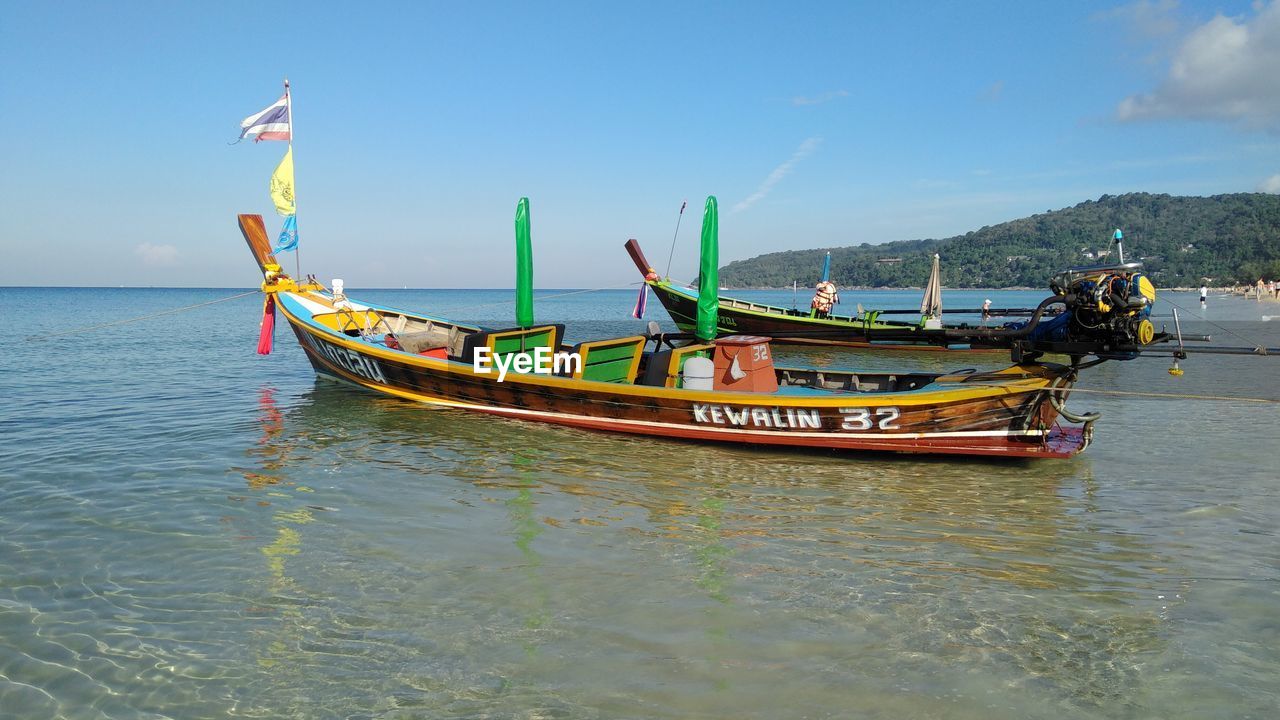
column 673, row 238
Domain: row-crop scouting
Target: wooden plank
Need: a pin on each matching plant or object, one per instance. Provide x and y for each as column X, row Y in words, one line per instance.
column 255, row 234
column 637, row 257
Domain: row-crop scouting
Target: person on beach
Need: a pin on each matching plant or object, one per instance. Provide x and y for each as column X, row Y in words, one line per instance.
column 986, row 310
column 1261, row 285
column 824, row 298
column 1204, row 294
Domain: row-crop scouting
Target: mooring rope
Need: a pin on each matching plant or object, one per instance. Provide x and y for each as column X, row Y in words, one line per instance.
column 1175, row 396
column 1134, row 393
column 1224, row 329
column 560, row 295
column 42, row 336
column 255, row 292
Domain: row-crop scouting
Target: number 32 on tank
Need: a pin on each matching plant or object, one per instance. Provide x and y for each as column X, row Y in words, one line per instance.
column 884, row 418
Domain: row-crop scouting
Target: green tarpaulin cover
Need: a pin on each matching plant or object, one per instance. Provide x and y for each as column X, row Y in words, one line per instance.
column 524, row 266
column 709, row 273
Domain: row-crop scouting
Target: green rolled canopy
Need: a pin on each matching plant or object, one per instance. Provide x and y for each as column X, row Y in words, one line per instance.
column 709, row 273
column 524, row 266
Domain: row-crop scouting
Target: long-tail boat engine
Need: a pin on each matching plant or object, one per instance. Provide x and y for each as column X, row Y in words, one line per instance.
column 1106, row 313
column 1111, row 306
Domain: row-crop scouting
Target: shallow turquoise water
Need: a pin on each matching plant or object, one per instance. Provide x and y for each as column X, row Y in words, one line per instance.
column 189, row 530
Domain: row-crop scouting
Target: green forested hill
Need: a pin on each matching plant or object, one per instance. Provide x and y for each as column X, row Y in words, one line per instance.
column 1227, row 238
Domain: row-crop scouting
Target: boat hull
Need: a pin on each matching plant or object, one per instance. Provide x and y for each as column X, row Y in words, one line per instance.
column 1009, row 416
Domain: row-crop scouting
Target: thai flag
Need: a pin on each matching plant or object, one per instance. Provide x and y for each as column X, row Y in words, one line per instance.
column 641, row 301
column 270, row 124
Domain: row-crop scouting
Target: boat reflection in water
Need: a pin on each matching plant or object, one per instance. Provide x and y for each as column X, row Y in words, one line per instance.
column 269, row 487
column 543, row 554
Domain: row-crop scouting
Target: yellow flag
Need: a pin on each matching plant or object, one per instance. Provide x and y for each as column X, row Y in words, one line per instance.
column 282, row 185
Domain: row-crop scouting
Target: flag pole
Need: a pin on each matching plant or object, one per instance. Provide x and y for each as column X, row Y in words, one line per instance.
column 297, row 253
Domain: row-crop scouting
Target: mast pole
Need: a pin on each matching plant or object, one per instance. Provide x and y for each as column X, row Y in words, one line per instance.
column 297, row 252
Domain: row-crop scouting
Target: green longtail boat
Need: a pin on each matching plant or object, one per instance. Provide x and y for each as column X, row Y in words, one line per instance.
column 866, row 329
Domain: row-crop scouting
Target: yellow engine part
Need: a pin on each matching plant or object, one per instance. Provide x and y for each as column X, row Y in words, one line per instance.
column 1146, row 332
column 1146, row 288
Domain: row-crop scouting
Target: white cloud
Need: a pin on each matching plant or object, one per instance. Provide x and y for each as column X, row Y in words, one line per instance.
column 819, row 99
column 806, row 148
column 157, row 255
column 1223, row 70
column 1270, row 185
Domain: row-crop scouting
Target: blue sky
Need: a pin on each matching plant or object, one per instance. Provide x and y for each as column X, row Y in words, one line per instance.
column 419, row 125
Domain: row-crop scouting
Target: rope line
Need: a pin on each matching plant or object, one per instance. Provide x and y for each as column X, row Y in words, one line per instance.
column 144, row 317
column 1202, row 318
column 1171, row 396
column 1176, row 396
column 628, row 286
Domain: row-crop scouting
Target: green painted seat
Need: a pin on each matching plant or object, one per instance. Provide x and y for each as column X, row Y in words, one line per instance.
column 515, row 340
column 612, row 361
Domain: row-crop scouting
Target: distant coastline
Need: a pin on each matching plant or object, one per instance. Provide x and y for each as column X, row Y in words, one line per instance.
column 1181, row 241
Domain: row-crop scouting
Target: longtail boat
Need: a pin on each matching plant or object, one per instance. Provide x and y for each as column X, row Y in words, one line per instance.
column 717, row 389
column 866, row 329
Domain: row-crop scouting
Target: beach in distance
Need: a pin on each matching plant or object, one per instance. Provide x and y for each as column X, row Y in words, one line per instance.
column 193, row 530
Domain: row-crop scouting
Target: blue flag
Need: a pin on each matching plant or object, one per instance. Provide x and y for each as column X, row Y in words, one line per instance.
column 289, row 235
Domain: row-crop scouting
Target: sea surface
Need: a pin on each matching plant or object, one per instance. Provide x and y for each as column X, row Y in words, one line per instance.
column 190, row 530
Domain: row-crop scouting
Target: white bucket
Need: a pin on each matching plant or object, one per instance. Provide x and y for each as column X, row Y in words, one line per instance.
column 698, row 373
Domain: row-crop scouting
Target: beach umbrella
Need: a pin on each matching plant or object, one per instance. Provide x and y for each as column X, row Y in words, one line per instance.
column 524, row 266
column 931, row 304
column 709, row 273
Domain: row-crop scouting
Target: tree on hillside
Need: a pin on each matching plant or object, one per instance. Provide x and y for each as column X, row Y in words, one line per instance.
column 1231, row 238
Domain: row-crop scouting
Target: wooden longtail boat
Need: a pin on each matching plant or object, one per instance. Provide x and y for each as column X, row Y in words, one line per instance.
column 801, row 327
column 735, row 395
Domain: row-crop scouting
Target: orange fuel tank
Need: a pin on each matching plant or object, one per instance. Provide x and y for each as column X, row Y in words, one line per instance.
column 744, row 363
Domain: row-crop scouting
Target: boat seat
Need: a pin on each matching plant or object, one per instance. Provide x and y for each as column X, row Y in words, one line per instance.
column 664, row 366
column 513, row 340
column 612, row 361
column 416, row 342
